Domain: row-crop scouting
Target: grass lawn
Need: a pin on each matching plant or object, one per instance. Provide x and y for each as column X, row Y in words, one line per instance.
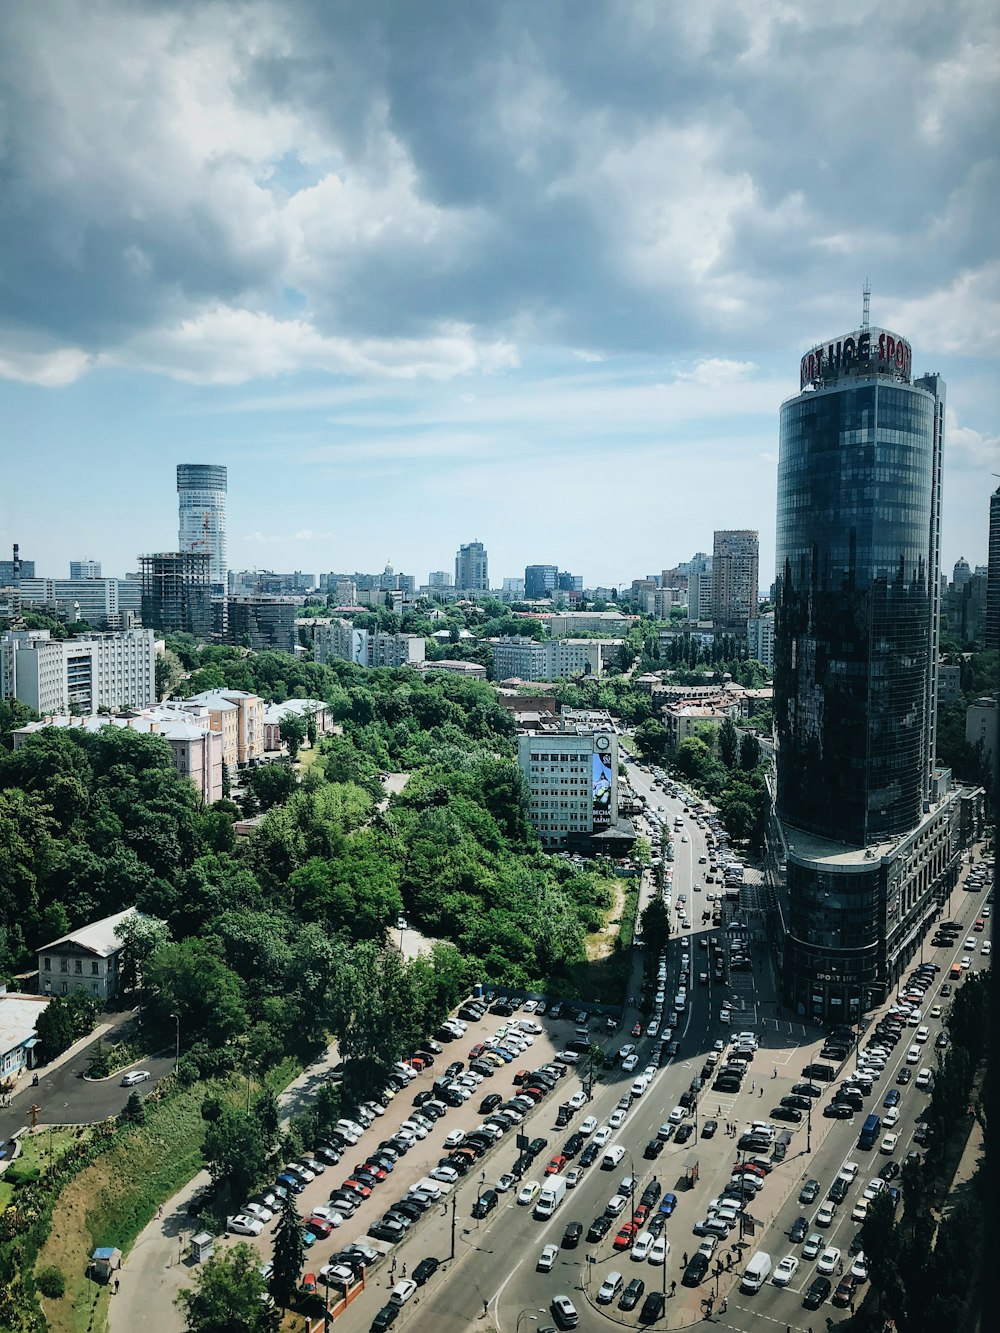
column 111, row 1201
column 38, row 1149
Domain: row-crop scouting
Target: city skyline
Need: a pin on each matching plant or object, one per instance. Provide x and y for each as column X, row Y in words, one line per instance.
column 406, row 296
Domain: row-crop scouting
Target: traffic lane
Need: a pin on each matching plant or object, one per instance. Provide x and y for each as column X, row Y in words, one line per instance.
column 64, row 1097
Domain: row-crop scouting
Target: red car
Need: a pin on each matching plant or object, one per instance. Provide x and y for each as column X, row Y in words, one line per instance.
column 319, row 1226
column 308, row 1286
column 626, row 1237
column 476, row 1050
column 356, row 1187
column 641, row 1213
column 520, row 1076
column 415, row 1062
column 637, row 1030
column 372, row 1169
column 555, row 1166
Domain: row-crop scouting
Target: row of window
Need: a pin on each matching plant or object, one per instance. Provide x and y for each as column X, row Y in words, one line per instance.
column 95, row 966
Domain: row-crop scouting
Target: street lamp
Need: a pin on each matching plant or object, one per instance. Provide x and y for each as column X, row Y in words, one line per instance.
column 809, row 1126
column 532, row 1312
column 177, row 1041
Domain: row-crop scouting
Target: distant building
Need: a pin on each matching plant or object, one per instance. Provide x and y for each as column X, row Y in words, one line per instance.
column 176, row 592
column 274, row 715
column 439, row 578
column 547, row 659
column 760, row 639
column 261, row 623
column 512, row 590
column 239, row 717
column 540, row 581
column 561, row 623
column 86, row 959
column 266, row 583
column 573, row 781
column 19, row 1016
column 470, row 670
column 981, row 727
column 7, row 571
column 102, row 603
column 567, row 582
column 201, row 528
column 992, row 625
column 85, row 569
column 735, row 560
column 49, row 675
column 339, row 641
column 472, row 568
column 949, row 683
column 700, row 596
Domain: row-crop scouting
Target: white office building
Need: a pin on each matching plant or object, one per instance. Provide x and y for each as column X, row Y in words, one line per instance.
column 760, row 639
column 545, row 659
column 573, row 780
column 339, row 641
column 114, row 671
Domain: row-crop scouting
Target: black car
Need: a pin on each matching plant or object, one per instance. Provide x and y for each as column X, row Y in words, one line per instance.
column 726, row 1085
column 753, row 1143
column 656, row 1223
column 564, row 1115
column 390, row 1231
column 798, row 1230
column 571, row 1236
column 490, row 1103
column 385, row 1318
column 695, row 1271
column 684, row 1132
column 890, row 1171
column 631, row 1294
column 589, row 1155
column 573, row 1145
column 536, row 1146
column 599, row 1228
column 411, row 1210
column 486, row 1202
column 652, row 1149
column 838, row 1110
column 818, row 1291
column 838, row 1190
column 800, row 1103
column 708, row 1129
column 651, row 1193
column 788, row 1113
column 482, row 1067
column 806, row 1090
column 653, row 1307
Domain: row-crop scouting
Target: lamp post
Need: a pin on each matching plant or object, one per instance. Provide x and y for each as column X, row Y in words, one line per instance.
column 809, row 1126
column 177, row 1041
column 532, row 1312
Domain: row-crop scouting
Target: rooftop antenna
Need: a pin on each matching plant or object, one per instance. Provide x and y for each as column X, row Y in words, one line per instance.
column 866, row 308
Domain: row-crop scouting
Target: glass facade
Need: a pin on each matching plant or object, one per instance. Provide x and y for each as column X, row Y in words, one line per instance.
column 853, row 622
column 201, row 491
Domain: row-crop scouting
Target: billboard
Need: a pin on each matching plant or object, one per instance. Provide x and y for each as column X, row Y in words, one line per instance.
column 863, row 352
column 602, row 779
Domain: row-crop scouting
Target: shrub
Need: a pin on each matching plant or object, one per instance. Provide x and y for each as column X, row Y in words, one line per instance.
column 187, row 1071
column 51, row 1282
column 22, row 1175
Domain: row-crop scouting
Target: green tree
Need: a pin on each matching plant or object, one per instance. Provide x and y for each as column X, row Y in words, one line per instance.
column 655, row 927
column 55, row 1028
column 234, row 1151
column 134, row 1111
column 228, row 1296
column 729, row 743
column 140, row 937
column 272, row 784
column 750, row 752
column 190, row 980
column 292, row 730
column 289, row 1253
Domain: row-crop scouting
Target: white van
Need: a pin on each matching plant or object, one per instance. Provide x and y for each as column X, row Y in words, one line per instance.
column 757, row 1271
column 640, row 1085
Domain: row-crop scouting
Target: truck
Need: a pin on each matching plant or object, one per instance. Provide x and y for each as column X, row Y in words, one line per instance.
column 552, row 1194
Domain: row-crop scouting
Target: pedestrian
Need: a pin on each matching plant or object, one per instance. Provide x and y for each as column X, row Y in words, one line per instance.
column 684, row 1261
column 774, row 1073
column 159, row 1211
column 753, row 1087
column 117, row 1285
column 404, row 1270
column 486, row 1310
column 725, row 1305
column 673, row 1287
column 762, row 1092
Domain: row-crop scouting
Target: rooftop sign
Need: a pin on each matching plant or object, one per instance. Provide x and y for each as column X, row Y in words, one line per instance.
column 863, row 353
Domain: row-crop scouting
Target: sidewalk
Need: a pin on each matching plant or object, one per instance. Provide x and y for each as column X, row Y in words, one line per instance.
column 155, row 1269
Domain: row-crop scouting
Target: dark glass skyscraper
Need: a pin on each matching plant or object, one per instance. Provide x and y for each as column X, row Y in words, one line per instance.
column 858, row 534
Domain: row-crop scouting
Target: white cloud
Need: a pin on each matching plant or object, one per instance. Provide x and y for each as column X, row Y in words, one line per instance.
column 715, row 372
column 962, row 318
column 49, row 370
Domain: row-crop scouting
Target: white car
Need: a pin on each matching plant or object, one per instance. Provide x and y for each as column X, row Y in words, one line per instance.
column 676, row 1115
column 603, row 1136
column 615, row 1204
column 526, row 1194
column 573, row 1177
column 658, row 1250
column 455, row 1139
column 860, row 1210
column 824, row 1218
column 577, row 1100
column 987, row 947
column 785, row 1271
column 913, row 1055
column 446, row 1174
column 530, row 1006
column 850, row 1170
column 136, row 1076
column 613, row 1156
column 547, row 1258
column 921, row 1034
column 642, row 1245
column 568, row 1058
column 629, row 1063
column 588, row 1125
column 245, row 1225
column 859, row 1269
column 874, row 1186
column 261, row 1213
column 890, row 1116
column 402, row 1291
column 828, row 1260
column 888, row 1144
column 329, row 1214
column 617, row 1118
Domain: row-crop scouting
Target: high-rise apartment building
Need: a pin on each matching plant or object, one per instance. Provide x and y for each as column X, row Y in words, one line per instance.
column 176, row 592
column 993, row 575
column 870, row 828
column 540, row 581
column 734, row 578
column 261, row 623
column 472, row 568
column 201, row 491
column 85, row 569
column 439, row 578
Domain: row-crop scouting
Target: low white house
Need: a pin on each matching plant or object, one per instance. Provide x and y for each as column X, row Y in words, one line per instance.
column 18, row 1020
column 85, row 959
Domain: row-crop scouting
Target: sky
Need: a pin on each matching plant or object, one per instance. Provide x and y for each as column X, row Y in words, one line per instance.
column 534, row 274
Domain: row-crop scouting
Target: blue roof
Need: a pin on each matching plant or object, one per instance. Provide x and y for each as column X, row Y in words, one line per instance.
column 104, row 1252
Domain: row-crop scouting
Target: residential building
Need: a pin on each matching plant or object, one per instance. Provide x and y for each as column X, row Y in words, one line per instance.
column 176, row 592
column 339, row 641
column 546, row 659
column 992, row 625
column 697, row 721
column 239, row 717
column 566, row 582
column 261, row 623
column 102, row 603
column 869, row 826
column 573, row 784
column 85, row 569
column 49, row 675
column 734, row 579
column 87, row 959
column 264, row 582
column 512, row 590
column 201, row 496
column 196, row 750
column 472, row 568
column 540, row 581
column 561, row 624
column 949, row 683
column 439, row 578
column 965, row 607
column 760, row 639
column 981, row 719
column 396, row 650
column 700, row 588
column 18, row 1025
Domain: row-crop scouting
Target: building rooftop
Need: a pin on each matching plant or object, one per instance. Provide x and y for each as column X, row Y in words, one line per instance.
column 98, row 938
column 18, row 1017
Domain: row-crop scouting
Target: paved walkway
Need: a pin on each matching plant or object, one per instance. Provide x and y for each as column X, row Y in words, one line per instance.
column 156, row 1267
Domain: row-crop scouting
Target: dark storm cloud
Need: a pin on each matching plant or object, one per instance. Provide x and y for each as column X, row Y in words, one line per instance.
column 621, row 176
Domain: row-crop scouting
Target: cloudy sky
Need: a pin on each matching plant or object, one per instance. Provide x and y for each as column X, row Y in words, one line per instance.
column 538, row 273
